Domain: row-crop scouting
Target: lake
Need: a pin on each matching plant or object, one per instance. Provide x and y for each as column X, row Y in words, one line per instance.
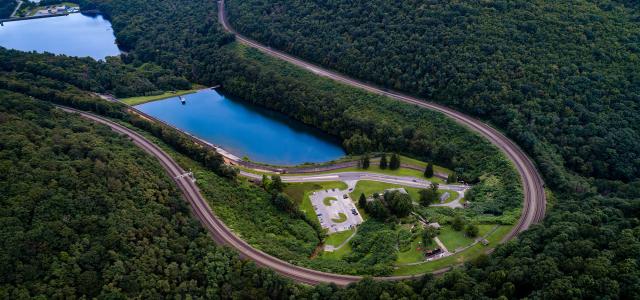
column 246, row 130
column 73, row 35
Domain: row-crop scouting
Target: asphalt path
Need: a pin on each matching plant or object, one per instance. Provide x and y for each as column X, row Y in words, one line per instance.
column 534, row 204
column 356, row 176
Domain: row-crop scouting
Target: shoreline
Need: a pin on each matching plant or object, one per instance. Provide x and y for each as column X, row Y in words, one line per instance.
column 133, row 101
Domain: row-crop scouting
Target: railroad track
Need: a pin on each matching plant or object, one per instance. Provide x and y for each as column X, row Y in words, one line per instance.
column 533, row 186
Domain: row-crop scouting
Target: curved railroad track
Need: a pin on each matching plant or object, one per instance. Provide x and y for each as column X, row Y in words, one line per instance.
column 534, row 196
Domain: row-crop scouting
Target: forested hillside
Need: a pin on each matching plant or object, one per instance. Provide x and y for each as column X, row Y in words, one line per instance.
column 558, row 76
column 112, row 76
column 85, row 213
column 587, row 247
column 196, row 47
column 7, row 7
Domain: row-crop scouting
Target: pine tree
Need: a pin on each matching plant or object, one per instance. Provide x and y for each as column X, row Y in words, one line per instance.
column 276, row 184
column 394, row 163
column 428, row 171
column 452, row 178
column 383, row 161
column 365, row 161
column 362, row 202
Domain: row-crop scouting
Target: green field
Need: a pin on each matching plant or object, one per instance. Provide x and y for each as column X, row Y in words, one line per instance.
column 453, row 195
column 374, row 168
column 338, row 254
column 144, row 99
column 470, row 253
column 338, row 238
column 327, row 201
column 453, row 239
column 413, row 254
column 369, row 187
column 341, row 218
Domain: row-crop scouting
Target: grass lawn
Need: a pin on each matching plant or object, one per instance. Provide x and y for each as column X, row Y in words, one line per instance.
column 453, row 195
column 413, row 254
column 453, row 239
column 341, row 218
column 338, row 254
column 416, row 162
column 327, row 201
column 376, row 169
column 300, row 193
column 144, row 99
column 338, row 238
column 369, row 187
column 455, row 259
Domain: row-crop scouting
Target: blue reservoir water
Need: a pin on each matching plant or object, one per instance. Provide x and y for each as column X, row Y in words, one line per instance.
column 246, row 130
column 73, row 35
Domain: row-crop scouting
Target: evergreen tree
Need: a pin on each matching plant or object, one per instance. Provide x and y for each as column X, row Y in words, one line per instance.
column 452, row 178
column 429, row 196
column 394, row 163
column 383, row 161
column 276, row 184
column 471, row 230
column 365, row 161
column 428, row 171
column 457, row 223
column 428, row 234
column 362, row 202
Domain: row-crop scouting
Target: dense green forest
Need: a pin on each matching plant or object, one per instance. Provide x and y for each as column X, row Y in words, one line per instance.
column 110, row 76
column 7, row 7
column 560, row 77
column 587, row 247
column 197, row 48
column 86, row 213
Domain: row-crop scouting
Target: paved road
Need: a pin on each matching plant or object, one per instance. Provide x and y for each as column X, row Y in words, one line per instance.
column 534, row 196
column 356, row 176
column 13, row 14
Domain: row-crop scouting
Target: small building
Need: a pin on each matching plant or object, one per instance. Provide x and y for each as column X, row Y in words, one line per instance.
column 434, row 225
column 444, row 197
column 400, row 190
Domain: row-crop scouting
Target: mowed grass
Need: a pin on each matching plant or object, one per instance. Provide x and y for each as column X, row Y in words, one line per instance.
column 413, row 254
column 338, row 254
column 327, row 201
column 338, row 238
column 299, row 192
column 144, row 99
column 341, row 218
column 453, row 195
column 375, row 168
column 453, row 239
column 473, row 252
column 369, row 187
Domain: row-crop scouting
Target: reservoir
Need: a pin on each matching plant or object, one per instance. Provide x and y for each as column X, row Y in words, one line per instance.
column 73, row 35
column 246, row 130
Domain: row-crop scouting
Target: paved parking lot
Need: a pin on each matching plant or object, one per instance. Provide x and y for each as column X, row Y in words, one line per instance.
column 340, row 205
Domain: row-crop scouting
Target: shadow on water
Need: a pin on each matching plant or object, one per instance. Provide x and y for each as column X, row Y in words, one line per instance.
column 294, row 124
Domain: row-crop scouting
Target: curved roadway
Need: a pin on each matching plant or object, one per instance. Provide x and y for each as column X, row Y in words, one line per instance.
column 534, row 196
